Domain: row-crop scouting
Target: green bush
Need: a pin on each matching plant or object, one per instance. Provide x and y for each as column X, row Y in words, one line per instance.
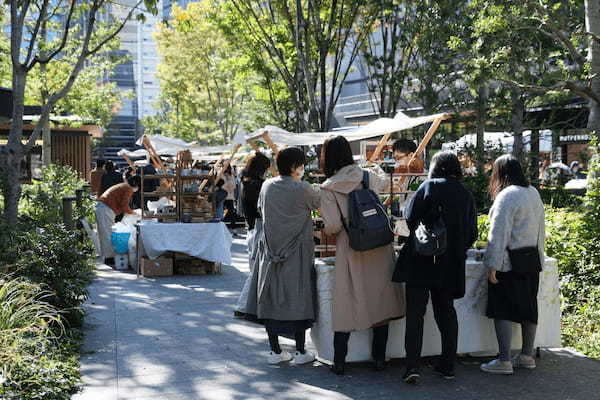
column 478, row 185
column 34, row 362
column 41, row 202
column 55, row 258
column 559, row 197
column 572, row 237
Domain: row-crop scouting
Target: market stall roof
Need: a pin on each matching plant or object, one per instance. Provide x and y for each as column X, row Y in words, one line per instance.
column 379, row 127
column 170, row 146
column 502, row 139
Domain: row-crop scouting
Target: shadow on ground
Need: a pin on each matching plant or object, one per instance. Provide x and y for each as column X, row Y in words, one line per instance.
column 175, row 338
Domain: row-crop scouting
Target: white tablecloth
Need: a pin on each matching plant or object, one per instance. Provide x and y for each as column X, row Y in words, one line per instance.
column 208, row 241
column 476, row 331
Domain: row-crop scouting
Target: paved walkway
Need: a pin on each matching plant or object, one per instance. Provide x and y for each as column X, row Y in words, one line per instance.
column 175, row 338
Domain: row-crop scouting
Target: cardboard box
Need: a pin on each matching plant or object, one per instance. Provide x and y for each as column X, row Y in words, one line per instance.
column 195, row 266
column 162, row 266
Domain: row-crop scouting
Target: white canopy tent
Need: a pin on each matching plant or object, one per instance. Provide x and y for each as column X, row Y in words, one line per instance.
column 167, row 146
column 379, row 127
column 503, row 140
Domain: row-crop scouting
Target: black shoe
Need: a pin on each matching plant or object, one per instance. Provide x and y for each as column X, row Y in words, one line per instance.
column 411, row 376
column 338, row 368
column 239, row 315
column 379, row 365
column 446, row 373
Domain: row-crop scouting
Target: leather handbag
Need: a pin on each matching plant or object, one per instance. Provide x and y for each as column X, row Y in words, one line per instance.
column 525, row 260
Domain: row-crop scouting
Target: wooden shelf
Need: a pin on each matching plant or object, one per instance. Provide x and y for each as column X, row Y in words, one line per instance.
column 157, row 176
column 194, row 177
column 154, row 194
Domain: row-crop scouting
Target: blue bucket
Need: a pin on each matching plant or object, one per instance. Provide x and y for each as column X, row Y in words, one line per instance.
column 120, row 242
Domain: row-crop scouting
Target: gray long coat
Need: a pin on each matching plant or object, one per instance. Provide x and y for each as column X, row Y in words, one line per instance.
column 285, row 253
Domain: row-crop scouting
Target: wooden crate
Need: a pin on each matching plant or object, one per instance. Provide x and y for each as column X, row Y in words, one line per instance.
column 162, row 266
column 186, row 265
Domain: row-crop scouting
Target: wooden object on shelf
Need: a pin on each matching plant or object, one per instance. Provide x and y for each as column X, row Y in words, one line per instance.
column 191, row 204
column 154, row 157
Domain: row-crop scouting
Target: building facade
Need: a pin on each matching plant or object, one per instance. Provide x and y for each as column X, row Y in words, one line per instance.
column 136, row 76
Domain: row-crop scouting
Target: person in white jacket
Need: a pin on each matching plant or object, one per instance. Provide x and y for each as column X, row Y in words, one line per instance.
column 516, row 222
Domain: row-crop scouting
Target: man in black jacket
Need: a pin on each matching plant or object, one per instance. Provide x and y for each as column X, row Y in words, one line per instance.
column 110, row 178
column 443, row 276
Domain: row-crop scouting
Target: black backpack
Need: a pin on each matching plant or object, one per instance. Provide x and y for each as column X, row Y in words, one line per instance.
column 369, row 226
column 431, row 239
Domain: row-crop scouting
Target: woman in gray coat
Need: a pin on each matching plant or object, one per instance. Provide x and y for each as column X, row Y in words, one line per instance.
column 516, row 222
column 285, row 256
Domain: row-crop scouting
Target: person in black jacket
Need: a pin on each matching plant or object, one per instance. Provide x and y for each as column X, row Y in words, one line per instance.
column 110, row 178
column 442, row 276
column 252, row 180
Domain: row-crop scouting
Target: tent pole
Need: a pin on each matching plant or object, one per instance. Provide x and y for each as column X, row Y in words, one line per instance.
column 273, row 148
column 227, row 163
column 379, row 148
column 131, row 164
column 154, row 157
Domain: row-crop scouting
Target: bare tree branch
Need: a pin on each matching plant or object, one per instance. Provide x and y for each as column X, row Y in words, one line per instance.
column 63, row 42
column 41, row 19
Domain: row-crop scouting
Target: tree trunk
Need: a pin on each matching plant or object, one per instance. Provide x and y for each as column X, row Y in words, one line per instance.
column 482, row 95
column 535, row 157
column 11, row 155
column 592, row 25
column 518, row 109
column 46, row 133
column 46, row 144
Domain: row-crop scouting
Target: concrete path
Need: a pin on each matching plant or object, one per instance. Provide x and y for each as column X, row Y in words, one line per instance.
column 175, row 338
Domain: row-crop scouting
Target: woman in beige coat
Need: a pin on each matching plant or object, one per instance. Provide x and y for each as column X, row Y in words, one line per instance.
column 364, row 296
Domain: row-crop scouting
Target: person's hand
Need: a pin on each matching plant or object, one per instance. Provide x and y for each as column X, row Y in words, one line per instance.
column 492, row 276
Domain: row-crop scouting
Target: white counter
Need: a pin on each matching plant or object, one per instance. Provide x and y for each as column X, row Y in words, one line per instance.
column 476, row 331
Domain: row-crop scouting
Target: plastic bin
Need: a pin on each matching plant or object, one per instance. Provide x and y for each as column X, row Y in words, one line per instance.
column 120, row 242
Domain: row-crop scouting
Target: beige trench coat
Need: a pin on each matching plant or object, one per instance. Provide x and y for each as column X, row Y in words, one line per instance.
column 364, row 295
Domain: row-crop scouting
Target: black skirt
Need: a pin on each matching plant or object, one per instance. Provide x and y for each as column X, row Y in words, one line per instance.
column 514, row 297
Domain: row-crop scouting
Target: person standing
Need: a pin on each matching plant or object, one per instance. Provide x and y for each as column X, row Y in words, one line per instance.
column 110, row 178
column 229, row 186
column 96, row 177
column 443, row 276
column 286, row 290
column 252, row 181
column 113, row 202
column 516, row 222
column 364, row 296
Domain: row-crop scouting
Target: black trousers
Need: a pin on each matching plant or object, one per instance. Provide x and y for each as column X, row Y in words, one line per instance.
column 380, row 338
column 445, row 318
column 231, row 217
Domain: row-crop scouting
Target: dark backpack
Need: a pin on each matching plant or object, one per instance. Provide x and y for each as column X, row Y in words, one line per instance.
column 368, row 226
column 431, row 240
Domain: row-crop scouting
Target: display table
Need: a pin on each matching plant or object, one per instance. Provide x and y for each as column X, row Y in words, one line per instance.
column 207, row 241
column 476, row 331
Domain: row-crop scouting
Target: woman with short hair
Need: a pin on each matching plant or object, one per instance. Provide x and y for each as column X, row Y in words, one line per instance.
column 364, row 296
column 516, row 222
column 286, row 290
column 443, row 197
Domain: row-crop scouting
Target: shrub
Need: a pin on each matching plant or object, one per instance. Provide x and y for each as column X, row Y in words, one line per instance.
column 34, row 364
column 55, row 258
column 478, row 185
column 41, row 202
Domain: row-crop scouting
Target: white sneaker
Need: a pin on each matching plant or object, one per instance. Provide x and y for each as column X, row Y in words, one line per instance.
column 305, row 358
column 497, row 367
column 275, row 358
